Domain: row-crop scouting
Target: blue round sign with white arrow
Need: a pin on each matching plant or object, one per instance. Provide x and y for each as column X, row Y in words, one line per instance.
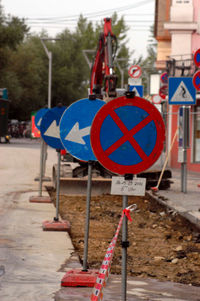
column 49, row 127
column 75, row 128
column 38, row 117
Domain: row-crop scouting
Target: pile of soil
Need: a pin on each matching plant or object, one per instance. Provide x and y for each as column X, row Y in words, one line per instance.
column 163, row 245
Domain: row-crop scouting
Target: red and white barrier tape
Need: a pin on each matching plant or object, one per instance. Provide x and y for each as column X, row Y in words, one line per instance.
column 97, row 293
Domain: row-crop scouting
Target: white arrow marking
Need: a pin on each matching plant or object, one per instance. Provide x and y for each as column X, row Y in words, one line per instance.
column 39, row 122
column 53, row 130
column 76, row 135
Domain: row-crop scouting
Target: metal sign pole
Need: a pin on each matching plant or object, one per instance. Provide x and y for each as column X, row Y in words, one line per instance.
column 41, row 167
column 56, row 219
column 87, row 220
column 124, row 250
column 184, row 164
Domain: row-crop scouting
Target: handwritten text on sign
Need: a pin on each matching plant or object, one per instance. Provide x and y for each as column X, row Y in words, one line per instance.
column 120, row 186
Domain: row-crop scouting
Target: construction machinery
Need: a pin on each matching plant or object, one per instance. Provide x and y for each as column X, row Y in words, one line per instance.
column 102, row 73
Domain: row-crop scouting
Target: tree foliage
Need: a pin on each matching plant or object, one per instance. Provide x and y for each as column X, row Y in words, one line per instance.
column 26, row 69
column 24, row 64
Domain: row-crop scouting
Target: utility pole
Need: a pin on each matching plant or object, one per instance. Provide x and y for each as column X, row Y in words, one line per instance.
column 121, row 70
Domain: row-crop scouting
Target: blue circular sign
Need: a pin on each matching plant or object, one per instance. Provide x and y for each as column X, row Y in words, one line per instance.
column 128, row 135
column 49, row 127
column 38, row 117
column 75, row 128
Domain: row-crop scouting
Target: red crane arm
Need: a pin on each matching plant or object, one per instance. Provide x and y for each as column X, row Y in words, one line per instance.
column 103, row 68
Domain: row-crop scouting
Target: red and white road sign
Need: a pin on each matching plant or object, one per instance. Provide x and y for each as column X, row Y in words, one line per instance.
column 196, row 80
column 127, row 135
column 163, row 91
column 164, row 78
column 156, row 99
column 135, row 71
column 197, row 58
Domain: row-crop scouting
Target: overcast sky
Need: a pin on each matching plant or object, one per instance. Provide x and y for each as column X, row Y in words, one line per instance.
column 55, row 15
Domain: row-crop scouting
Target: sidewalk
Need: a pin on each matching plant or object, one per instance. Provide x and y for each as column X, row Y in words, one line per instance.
column 187, row 204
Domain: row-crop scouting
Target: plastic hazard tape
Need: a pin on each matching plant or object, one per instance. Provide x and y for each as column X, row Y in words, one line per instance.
column 97, row 293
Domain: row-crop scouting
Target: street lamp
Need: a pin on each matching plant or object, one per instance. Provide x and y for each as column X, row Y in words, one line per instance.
column 49, row 55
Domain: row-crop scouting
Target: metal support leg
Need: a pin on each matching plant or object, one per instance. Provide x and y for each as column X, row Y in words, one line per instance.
column 124, row 250
column 58, row 188
column 87, row 220
column 41, row 167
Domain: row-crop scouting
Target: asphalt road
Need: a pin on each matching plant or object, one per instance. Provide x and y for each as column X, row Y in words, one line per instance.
column 31, row 259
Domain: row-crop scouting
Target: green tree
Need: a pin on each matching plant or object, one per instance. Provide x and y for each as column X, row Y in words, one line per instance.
column 25, row 73
column 12, row 33
column 28, row 69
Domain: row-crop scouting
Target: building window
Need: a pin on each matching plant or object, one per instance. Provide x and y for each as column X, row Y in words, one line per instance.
column 197, row 134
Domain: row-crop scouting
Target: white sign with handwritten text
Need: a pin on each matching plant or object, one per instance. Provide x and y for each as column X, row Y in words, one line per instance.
column 120, row 186
column 182, row 2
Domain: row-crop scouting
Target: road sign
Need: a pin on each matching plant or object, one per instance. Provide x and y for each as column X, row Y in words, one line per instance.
column 164, row 78
column 138, row 90
column 121, row 186
column 38, row 117
column 127, row 135
column 135, row 71
column 134, row 81
column 163, row 91
column 181, row 91
column 196, row 80
column 156, row 99
column 49, row 127
column 35, row 132
column 75, row 128
column 197, row 58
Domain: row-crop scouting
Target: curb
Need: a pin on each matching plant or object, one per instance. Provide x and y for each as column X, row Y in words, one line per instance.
column 189, row 215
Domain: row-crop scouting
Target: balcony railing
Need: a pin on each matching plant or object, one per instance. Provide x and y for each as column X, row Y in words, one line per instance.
column 181, row 65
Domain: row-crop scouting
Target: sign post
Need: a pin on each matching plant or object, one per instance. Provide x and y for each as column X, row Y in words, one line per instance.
column 50, row 133
column 125, row 245
column 127, row 137
column 87, row 218
column 182, row 92
column 56, row 218
column 75, row 128
column 184, row 163
column 184, row 141
column 43, row 154
column 43, row 149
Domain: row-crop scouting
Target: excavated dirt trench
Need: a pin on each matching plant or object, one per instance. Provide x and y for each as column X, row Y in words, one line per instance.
column 163, row 245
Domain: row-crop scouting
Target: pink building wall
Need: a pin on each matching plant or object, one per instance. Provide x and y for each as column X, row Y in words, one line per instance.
column 195, row 40
column 195, row 36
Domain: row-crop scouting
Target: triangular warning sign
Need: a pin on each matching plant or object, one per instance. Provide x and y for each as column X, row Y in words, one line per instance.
column 182, row 94
column 136, row 92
